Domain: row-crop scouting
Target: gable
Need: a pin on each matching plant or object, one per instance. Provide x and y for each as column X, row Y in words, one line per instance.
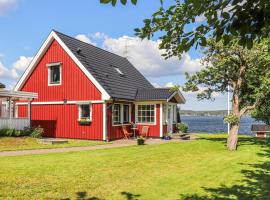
column 75, row 85
column 102, row 65
column 40, row 55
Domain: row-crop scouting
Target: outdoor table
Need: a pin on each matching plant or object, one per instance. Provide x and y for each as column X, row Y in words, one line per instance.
column 134, row 131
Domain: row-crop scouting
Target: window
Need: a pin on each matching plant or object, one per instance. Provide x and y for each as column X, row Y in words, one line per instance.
column 54, row 70
column 126, row 114
column 116, row 114
column 145, row 113
column 121, row 114
column 119, row 71
column 85, row 112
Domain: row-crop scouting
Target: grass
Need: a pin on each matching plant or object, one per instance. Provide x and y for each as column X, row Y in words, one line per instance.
column 201, row 169
column 24, row 143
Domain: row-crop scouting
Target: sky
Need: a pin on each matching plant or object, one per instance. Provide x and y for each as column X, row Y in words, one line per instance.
column 25, row 24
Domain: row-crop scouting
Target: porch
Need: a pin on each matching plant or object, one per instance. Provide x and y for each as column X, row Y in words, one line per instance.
column 9, row 112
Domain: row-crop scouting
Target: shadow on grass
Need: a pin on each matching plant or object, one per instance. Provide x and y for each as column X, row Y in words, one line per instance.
column 130, row 196
column 256, row 183
column 85, row 196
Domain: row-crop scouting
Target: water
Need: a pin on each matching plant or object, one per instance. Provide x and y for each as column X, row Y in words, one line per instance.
column 215, row 124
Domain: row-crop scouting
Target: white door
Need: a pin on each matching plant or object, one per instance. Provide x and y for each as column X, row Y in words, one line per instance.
column 170, row 119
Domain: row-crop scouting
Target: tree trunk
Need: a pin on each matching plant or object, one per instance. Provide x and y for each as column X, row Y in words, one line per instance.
column 233, row 138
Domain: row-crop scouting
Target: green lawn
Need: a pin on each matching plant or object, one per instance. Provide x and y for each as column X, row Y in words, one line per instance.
column 23, row 143
column 201, row 169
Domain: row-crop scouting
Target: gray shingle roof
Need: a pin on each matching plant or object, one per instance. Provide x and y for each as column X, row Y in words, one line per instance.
column 260, row 127
column 2, row 85
column 153, row 94
column 101, row 64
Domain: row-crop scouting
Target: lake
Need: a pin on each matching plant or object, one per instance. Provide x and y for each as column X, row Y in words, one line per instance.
column 214, row 124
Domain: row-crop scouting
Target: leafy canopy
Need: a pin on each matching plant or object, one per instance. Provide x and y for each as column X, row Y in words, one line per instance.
column 246, row 71
column 248, row 20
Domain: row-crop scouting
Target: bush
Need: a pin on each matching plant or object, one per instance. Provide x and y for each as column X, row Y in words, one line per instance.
column 37, row 132
column 6, row 132
column 182, row 127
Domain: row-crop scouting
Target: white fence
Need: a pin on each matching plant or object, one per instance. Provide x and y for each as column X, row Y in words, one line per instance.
column 15, row 123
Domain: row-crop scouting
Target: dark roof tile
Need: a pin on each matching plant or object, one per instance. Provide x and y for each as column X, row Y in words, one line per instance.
column 153, row 94
column 101, row 64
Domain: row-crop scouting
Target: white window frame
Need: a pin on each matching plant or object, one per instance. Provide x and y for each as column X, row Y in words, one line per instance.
column 121, row 114
column 136, row 114
column 80, row 111
column 113, row 122
column 49, row 66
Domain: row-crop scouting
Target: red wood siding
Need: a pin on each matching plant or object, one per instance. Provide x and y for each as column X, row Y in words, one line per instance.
column 75, row 85
column 22, row 111
column 154, row 130
column 61, row 120
column 115, row 132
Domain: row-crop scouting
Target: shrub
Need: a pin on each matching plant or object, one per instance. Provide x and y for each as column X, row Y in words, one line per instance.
column 182, row 127
column 17, row 133
column 37, row 132
column 6, row 132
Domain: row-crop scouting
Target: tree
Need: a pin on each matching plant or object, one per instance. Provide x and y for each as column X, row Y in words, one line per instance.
column 262, row 111
column 247, row 19
column 246, row 71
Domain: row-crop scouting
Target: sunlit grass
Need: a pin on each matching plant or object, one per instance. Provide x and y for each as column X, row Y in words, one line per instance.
column 23, row 143
column 168, row 171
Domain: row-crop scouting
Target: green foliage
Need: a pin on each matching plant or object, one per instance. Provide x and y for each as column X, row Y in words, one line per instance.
column 224, row 19
column 262, row 112
column 113, row 2
column 37, row 132
column 246, row 71
column 7, row 132
column 231, row 119
column 182, row 127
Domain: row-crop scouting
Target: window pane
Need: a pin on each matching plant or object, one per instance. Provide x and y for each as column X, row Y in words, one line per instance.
column 146, row 113
column 55, row 74
column 126, row 113
column 84, row 111
column 116, row 114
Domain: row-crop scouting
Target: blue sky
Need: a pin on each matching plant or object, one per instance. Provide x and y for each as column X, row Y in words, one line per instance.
column 25, row 24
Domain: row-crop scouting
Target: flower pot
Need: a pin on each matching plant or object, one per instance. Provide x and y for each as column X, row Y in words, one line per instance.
column 140, row 141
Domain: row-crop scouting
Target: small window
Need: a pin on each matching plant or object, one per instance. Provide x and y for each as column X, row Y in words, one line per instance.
column 126, row 114
column 116, row 114
column 85, row 112
column 146, row 113
column 54, row 74
column 119, row 71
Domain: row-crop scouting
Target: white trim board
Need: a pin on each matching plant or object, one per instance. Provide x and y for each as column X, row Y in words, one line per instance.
column 62, row 102
column 53, row 36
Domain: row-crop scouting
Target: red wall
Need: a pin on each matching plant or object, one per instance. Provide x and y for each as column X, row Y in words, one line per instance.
column 61, row 120
column 115, row 132
column 75, row 85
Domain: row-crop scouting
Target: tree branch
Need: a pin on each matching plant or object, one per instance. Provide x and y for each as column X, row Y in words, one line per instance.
column 247, row 108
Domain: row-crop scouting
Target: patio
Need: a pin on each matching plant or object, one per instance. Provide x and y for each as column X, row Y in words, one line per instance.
column 9, row 99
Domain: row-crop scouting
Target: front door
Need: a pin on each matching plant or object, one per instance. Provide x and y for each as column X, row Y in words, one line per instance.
column 170, row 119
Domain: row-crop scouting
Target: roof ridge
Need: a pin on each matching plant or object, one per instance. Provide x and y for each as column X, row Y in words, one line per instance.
column 87, row 43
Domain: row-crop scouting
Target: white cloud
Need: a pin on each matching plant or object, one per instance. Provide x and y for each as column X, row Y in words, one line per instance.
column 169, row 85
column 16, row 69
column 200, row 18
column 146, row 56
column 99, row 36
column 22, row 63
column 6, row 5
column 85, row 38
column 156, row 85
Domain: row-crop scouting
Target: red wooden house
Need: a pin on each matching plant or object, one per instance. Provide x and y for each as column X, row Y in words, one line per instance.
column 88, row 93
